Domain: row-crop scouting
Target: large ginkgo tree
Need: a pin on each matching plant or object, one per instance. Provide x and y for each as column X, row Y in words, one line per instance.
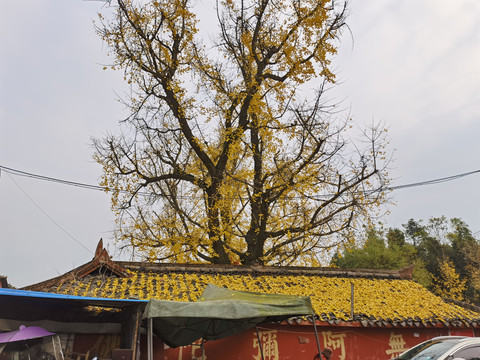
column 231, row 153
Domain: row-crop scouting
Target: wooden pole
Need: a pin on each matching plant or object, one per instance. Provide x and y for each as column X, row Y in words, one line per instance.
column 316, row 335
column 150, row 339
column 135, row 334
column 203, row 349
column 352, row 301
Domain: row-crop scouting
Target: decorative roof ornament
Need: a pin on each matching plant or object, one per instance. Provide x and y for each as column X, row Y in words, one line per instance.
column 101, row 262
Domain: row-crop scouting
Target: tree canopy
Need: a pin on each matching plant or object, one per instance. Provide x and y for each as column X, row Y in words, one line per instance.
column 375, row 254
column 445, row 253
column 231, row 153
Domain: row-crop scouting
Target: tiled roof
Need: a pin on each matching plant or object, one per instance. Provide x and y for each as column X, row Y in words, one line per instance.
column 3, row 282
column 380, row 298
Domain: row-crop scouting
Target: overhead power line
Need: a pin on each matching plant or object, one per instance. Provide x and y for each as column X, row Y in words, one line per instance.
column 104, row 188
column 435, row 181
column 60, row 181
column 47, row 178
column 48, row 216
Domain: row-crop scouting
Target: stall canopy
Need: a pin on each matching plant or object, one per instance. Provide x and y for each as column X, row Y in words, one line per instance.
column 9, row 297
column 33, row 306
column 220, row 313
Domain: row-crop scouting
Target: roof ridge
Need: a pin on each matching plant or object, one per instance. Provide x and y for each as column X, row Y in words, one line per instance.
column 463, row 304
column 404, row 273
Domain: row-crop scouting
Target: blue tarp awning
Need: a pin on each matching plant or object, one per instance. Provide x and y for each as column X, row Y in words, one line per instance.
column 39, row 298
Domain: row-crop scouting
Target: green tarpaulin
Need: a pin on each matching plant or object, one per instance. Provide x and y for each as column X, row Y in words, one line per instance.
column 220, row 313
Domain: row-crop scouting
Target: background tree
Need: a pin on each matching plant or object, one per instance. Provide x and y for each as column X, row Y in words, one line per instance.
column 449, row 284
column 445, row 253
column 465, row 254
column 472, row 253
column 375, row 254
column 414, row 231
column 229, row 156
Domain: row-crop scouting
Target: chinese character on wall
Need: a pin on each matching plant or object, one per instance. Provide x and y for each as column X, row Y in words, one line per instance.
column 269, row 344
column 335, row 342
column 397, row 345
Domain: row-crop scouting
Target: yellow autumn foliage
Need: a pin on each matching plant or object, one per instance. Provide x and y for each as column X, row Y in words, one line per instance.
column 381, row 299
column 449, row 284
column 229, row 156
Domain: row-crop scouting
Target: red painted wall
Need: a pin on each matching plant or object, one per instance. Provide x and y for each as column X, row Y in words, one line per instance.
column 289, row 342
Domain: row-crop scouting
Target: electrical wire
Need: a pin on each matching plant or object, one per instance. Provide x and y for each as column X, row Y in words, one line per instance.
column 47, row 178
column 48, row 216
column 103, row 188
column 10, row 171
column 60, row 181
column 435, row 181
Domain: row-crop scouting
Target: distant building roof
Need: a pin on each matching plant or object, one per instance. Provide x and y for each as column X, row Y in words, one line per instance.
column 381, row 298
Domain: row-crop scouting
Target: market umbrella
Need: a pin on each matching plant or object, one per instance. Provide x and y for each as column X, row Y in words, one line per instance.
column 24, row 333
column 30, row 342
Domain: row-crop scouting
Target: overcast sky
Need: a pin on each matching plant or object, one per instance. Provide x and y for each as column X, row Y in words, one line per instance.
column 411, row 64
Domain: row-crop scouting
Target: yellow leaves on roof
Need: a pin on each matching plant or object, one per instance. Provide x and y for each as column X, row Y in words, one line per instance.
column 386, row 299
